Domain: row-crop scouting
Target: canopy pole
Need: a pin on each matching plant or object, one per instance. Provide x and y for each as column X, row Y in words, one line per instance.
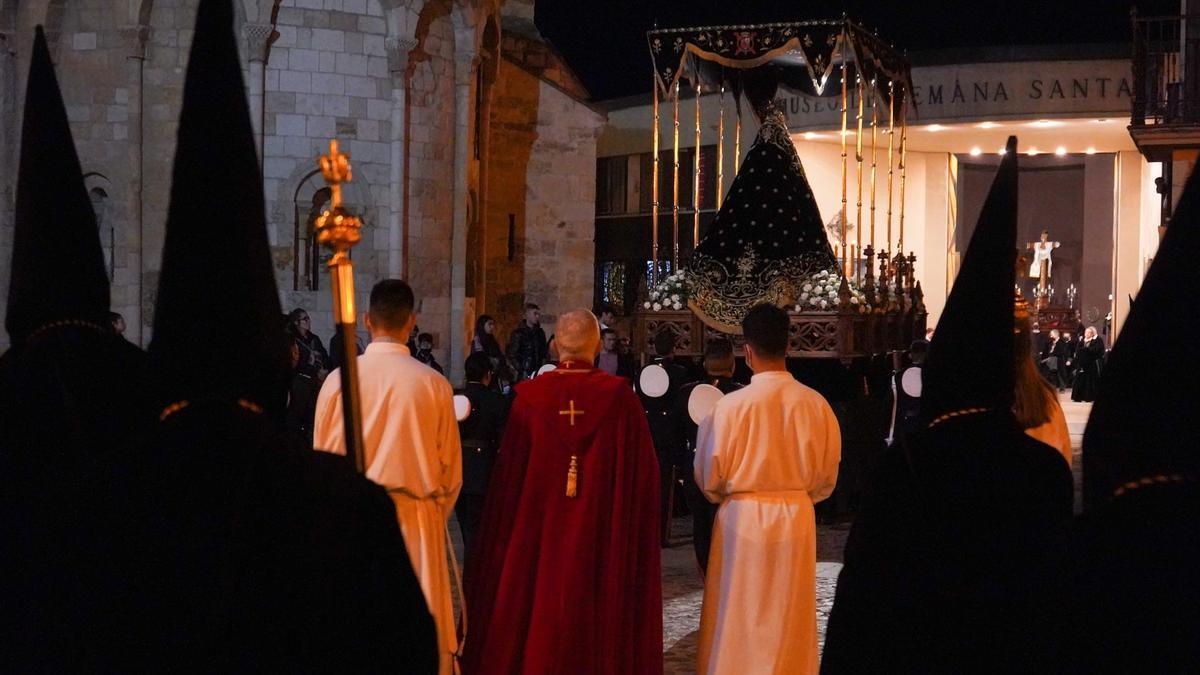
column 721, row 145
column 696, row 170
column 845, row 112
column 654, row 193
column 858, row 178
column 903, row 158
column 891, row 162
column 874, row 156
column 737, row 141
column 675, row 184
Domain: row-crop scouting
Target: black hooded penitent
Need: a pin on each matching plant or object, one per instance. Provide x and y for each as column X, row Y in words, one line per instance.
column 251, row 553
column 69, row 397
column 950, row 558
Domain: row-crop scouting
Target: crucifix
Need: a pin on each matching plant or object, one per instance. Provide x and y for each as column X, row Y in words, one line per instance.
column 1042, row 265
column 573, row 469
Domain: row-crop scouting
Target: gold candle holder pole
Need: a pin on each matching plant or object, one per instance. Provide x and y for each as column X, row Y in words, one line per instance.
column 845, row 113
column 874, row 157
column 891, row 162
column 903, row 158
column 696, row 172
column 654, row 192
column 340, row 230
column 858, row 176
column 737, row 141
column 721, row 145
column 675, row 184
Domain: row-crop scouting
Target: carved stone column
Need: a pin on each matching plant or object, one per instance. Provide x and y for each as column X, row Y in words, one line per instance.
column 465, row 63
column 398, row 50
column 258, row 41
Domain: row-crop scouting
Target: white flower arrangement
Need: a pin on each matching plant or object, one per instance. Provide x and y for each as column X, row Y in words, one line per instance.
column 671, row 292
column 822, row 291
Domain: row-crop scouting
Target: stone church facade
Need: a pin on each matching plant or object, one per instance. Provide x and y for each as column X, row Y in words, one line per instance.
column 473, row 147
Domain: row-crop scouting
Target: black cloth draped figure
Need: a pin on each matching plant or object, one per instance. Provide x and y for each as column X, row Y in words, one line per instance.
column 768, row 236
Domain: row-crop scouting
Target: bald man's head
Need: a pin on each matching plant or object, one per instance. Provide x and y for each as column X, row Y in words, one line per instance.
column 577, row 336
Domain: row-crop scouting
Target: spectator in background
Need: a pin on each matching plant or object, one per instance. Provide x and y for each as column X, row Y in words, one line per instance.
column 424, row 352
column 485, row 342
column 314, row 360
column 337, row 353
column 481, row 433
column 302, row 401
column 527, row 347
column 607, row 317
column 1054, row 360
column 117, row 322
column 1088, row 356
column 610, row 359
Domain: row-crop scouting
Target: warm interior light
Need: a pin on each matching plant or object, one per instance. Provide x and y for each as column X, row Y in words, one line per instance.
column 935, row 127
column 1032, row 152
column 1061, row 151
column 1045, row 123
column 1003, row 151
column 988, row 125
column 1091, row 151
column 1101, row 121
column 975, row 152
column 809, row 135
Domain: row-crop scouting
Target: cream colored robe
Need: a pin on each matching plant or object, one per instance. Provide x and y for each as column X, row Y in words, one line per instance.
column 413, row 450
column 766, row 454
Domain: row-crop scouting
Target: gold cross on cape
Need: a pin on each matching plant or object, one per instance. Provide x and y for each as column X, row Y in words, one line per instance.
column 571, row 412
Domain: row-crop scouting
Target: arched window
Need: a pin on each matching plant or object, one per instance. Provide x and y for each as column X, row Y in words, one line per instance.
column 312, row 197
column 98, row 192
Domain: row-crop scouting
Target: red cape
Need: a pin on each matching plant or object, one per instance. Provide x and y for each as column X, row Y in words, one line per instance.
column 562, row 584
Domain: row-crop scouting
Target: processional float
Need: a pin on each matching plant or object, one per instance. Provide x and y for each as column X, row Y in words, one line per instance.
column 860, row 312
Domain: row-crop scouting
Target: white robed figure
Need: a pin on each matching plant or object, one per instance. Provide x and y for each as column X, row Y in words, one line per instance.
column 411, row 445
column 766, row 454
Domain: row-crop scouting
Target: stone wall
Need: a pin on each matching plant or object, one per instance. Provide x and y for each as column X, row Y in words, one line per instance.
column 351, row 70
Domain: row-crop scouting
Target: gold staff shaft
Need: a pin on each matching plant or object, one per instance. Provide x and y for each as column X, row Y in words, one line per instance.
column 874, row 156
column 891, row 163
column 903, row 158
column 340, row 230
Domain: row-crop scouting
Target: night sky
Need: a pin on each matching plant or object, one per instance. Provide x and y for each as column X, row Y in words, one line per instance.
column 605, row 40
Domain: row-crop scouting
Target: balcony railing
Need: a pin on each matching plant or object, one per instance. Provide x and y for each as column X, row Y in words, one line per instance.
column 1166, row 69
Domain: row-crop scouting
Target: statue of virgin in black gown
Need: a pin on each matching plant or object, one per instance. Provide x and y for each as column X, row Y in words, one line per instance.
column 768, row 237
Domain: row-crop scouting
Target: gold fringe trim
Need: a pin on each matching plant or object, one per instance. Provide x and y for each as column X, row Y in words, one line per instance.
column 180, row 405
column 956, row 413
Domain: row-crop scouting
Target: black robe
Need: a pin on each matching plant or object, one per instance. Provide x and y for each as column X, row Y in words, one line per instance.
column 69, row 399
column 949, row 562
column 1088, row 356
column 255, row 555
column 1136, row 601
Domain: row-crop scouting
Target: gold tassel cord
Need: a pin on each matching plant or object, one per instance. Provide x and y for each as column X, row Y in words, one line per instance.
column 573, row 477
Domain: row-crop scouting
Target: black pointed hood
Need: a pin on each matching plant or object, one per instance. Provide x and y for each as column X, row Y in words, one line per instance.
column 58, row 267
column 217, row 327
column 1144, row 423
column 971, row 356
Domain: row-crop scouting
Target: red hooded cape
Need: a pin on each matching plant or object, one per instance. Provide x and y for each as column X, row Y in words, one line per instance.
column 562, row 584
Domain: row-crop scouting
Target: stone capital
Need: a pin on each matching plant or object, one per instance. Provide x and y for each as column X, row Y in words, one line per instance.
column 258, row 39
column 398, row 50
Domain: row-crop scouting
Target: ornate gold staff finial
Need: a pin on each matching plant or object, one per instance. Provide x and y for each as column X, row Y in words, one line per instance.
column 340, row 230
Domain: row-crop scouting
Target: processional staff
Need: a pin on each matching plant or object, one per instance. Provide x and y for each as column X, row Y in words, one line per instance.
column 340, row 230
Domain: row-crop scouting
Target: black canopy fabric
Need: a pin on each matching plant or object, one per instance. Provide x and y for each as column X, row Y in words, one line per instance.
column 217, row 326
column 767, row 238
column 58, row 269
column 970, row 358
column 807, row 54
